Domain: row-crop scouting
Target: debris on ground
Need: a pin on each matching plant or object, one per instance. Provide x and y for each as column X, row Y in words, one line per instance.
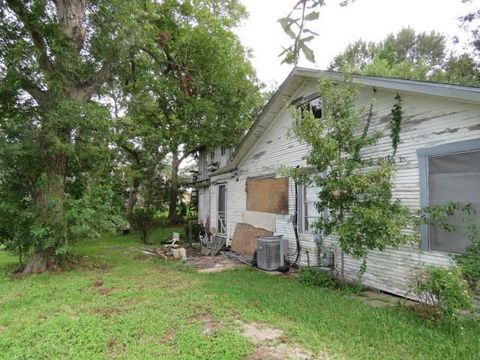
column 179, row 253
column 206, row 263
column 154, row 252
column 213, row 247
column 239, row 257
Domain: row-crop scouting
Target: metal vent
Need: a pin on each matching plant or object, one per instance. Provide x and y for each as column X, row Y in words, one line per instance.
column 270, row 252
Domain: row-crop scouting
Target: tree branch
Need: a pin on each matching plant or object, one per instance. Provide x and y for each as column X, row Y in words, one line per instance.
column 35, row 92
column 85, row 90
column 37, row 38
column 189, row 152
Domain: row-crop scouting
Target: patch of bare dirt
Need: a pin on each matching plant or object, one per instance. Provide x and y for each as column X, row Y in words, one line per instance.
column 97, row 283
column 2, row 329
column 105, row 291
column 114, row 348
column 209, row 324
column 88, row 263
column 107, row 312
column 272, row 344
column 206, row 264
column 282, row 352
column 168, row 337
column 258, row 333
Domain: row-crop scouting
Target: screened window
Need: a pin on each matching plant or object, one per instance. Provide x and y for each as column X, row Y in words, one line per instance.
column 308, row 211
column 450, row 173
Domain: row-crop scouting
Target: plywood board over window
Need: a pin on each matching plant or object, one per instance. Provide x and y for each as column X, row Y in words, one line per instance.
column 268, row 195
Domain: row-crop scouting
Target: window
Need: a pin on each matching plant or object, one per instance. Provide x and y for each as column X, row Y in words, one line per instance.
column 313, row 103
column 212, row 156
column 449, row 173
column 222, row 150
column 307, row 212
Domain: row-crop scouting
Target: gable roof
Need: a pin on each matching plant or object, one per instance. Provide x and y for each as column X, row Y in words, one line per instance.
column 298, row 75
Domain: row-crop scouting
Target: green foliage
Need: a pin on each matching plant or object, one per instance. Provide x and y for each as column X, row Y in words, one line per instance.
column 409, row 55
column 357, row 191
column 175, row 69
column 443, row 289
column 55, row 159
column 295, row 26
column 83, row 218
column 144, row 221
column 439, row 215
column 194, row 87
column 311, row 276
column 470, row 265
column 396, row 123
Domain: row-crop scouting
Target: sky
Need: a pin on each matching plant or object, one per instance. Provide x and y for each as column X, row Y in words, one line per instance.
column 370, row 20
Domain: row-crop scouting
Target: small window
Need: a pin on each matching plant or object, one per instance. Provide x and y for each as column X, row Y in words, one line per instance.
column 313, row 103
column 449, row 173
column 307, row 212
column 223, row 150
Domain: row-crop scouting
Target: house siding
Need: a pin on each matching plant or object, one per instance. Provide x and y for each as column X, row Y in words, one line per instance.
column 427, row 121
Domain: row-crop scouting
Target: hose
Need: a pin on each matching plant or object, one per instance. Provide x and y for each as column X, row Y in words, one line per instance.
column 295, row 223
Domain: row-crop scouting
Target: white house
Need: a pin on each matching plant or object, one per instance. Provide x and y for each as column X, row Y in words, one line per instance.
column 438, row 159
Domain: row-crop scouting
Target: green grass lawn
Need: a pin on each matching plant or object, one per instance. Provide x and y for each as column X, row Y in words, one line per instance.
column 124, row 305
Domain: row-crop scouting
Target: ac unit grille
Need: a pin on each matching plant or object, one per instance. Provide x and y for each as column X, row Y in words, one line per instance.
column 270, row 253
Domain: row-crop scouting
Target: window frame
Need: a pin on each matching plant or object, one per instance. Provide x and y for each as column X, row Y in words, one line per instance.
column 307, row 100
column 423, row 156
column 301, row 201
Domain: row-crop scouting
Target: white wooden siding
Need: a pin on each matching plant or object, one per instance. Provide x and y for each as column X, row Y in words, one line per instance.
column 427, row 121
column 203, row 204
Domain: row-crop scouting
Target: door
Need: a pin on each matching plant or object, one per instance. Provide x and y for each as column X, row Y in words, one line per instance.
column 222, row 209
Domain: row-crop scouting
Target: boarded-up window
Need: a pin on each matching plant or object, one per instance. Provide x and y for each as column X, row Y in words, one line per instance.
column 268, row 195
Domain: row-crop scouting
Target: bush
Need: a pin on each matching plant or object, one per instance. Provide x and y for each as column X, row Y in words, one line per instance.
column 443, row 290
column 311, row 276
column 470, row 265
column 144, row 221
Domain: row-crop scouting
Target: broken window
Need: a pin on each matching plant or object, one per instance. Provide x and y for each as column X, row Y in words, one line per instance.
column 312, row 103
column 450, row 173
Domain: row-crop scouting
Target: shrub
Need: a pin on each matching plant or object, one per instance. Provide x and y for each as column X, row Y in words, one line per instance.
column 144, row 221
column 470, row 264
column 311, row 276
column 443, row 290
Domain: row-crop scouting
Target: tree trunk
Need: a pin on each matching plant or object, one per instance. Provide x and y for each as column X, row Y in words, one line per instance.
column 40, row 262
column 172, row 206
column 49, row 201
column 132, row 197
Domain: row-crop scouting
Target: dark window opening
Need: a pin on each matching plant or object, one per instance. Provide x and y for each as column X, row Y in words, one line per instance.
column 313, row 105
